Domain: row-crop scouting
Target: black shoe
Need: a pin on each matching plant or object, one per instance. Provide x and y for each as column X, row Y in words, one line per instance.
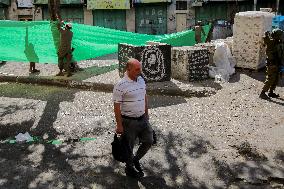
column 264, row 96
column 35, row 70
column 68, row 75
column 131, row 172
column 60, row 74
column 273, row 95
column 138, row 167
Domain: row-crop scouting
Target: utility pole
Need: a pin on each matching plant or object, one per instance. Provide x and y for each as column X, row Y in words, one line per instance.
column 54, row 14
column 53, row 9
column 277, row 6
column 254, row 5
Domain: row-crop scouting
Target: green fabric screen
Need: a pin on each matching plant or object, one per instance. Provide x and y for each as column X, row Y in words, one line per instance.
column 37, row 41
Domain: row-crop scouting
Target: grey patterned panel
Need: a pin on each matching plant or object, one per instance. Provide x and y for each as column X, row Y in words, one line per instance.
column 155, row 59
column 190, row 63
column 125, row 52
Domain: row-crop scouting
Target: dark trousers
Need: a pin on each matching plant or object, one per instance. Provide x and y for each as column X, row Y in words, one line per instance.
column 65, row 65
column 141, row 129
column 272, row 78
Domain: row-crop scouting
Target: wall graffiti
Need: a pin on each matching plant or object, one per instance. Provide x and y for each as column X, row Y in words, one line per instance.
column 108, row 4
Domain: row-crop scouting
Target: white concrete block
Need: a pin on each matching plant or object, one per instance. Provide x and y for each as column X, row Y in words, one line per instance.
column 190, row 63
column 248, row 30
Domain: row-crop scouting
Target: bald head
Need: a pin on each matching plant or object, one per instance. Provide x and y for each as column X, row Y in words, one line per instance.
column 133, row 68
column 132, row 62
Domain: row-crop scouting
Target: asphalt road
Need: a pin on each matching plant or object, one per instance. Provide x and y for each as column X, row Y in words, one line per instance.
column 231, row 139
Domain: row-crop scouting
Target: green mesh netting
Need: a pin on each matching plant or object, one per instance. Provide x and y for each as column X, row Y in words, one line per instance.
column 38, row 41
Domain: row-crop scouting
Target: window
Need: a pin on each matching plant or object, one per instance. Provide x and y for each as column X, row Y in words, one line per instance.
column 25, row 17
column 181, row 5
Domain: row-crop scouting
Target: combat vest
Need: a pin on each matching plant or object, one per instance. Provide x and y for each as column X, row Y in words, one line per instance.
column 271, row 50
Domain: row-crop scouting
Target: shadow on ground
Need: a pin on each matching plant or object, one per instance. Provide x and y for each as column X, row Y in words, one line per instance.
column 2, row 63
column 93, row 71
column 258, row 75
column 52, row 170
column 59, row 166
column 190, row 89
column 112, row 56
column 158, row 101
column 53, row 97
column 255, row 74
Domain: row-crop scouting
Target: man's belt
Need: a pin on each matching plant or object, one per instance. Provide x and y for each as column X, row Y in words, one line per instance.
column 133, row 118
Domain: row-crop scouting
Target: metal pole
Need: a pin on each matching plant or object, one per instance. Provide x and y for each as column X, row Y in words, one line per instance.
column 277, row 6
column 254, row 5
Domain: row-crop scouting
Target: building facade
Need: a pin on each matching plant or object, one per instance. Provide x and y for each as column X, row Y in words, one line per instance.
column 141, row 16
column 4, row 6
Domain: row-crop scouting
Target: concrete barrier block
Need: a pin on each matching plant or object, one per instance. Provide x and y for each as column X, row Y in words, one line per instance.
column 249, row 28
column 190, row 63
column 211, row 49
column 155, row 59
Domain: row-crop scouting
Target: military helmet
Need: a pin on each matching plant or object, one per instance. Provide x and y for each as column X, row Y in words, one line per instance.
column 69, row 25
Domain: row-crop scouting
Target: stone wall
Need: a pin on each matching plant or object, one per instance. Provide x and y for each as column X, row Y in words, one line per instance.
column 88, row 17
column 130, row 20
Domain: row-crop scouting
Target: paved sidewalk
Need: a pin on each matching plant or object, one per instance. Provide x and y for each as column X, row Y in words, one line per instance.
column 100, row 74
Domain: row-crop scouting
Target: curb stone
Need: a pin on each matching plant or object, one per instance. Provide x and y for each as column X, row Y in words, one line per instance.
column 105, row 87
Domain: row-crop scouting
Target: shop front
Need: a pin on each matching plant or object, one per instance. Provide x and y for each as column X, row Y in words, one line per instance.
column 151, row 16
column 109, row 14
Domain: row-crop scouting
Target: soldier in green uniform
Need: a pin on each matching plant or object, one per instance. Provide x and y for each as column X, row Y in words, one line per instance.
column 65, row 50
column 198, row 32
column 273, row 57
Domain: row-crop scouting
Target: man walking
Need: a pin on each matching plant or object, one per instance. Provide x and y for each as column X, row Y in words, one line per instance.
column 65, row 50
column 131, row 114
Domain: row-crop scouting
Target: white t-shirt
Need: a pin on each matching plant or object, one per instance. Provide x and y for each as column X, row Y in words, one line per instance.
column 131, row 95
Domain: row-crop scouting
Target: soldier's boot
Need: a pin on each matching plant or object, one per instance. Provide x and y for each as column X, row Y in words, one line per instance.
column 69, row 74
column 60, row 73
column 273, row 95
column 138, row 167
column 131, row 172
column 263, row 95
column 68, row 70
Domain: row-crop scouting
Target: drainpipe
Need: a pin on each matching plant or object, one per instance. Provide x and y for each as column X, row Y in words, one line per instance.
column 35, row 9
column 254, row 5
column 277, row 6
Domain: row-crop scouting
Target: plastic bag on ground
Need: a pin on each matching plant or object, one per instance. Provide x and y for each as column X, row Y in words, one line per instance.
column 23, row 137
column 224, row 62
column 220, row 75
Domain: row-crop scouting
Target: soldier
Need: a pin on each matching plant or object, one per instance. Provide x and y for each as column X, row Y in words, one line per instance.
column 198, row 32
column 65, row 50
column 273, row 57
